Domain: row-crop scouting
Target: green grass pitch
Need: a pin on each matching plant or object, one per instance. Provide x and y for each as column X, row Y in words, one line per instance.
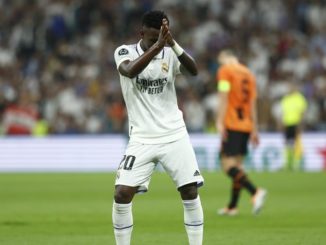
column 75, row 208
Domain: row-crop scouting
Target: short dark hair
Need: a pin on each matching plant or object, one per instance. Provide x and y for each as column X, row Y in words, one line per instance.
column 154, row 19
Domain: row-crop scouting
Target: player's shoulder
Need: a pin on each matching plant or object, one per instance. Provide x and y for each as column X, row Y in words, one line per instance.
column 226, row 68
column 244, row 69
column 125, row 49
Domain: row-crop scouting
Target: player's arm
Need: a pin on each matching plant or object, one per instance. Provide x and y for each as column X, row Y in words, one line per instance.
column 188, row 64
column 132, row 68
column 223, row 94
column 254, row 138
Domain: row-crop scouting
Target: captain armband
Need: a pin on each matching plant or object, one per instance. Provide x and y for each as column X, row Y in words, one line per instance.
column 223, row 86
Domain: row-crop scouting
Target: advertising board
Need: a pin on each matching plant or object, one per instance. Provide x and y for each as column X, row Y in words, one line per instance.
column 104, row 153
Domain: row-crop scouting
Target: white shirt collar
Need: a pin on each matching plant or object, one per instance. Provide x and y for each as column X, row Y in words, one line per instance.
column 140, row 51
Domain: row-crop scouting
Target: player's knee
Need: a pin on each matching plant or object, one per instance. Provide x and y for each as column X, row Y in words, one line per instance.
column 189, row 192
column 123, row 194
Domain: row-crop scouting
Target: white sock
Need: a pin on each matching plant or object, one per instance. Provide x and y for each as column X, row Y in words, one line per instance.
column 194, row 220
column 122, row 222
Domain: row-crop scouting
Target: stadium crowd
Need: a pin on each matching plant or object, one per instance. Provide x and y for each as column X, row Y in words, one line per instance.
column 57, row 73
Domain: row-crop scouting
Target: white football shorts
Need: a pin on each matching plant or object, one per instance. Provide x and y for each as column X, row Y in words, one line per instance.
column 177, row 158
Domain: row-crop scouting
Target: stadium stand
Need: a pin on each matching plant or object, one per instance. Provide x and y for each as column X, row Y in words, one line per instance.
column 58, row 54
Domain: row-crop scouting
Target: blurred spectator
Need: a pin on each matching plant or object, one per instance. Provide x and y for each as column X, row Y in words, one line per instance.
column 19, row 118
column 41, row 127
column 61, row 52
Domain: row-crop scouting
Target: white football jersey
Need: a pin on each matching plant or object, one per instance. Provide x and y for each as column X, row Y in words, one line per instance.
column 150, row 97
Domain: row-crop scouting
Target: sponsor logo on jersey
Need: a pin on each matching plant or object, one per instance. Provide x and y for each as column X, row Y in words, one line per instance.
column 165, row 67
column 123, row 51
column 155, row 86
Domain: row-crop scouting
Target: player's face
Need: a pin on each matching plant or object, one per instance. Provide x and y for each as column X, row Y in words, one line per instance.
column 149, row 36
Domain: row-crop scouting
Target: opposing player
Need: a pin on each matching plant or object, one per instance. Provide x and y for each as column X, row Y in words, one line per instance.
column 156, row 127
column 237, row 124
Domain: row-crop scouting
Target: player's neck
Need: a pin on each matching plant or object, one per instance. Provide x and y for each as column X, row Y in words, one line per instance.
column 143, row 45
column 233, row 61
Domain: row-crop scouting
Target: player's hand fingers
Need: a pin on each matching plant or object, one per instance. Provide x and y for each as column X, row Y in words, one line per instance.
column 165, row 26
column 165, row 22
column 224, row 135
column 167, row 35
column 252, row 141
column 255, row 140
column 163, row 31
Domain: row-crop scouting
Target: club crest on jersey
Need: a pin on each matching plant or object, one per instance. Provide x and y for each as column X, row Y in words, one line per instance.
column 123, row 51
column 165, row 67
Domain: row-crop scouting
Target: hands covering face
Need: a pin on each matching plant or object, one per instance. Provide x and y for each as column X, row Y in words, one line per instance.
column 165, row 35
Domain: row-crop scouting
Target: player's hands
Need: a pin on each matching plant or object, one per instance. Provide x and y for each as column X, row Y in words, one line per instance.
column 165, row 36
column 254, row 138
column 161, row 41
column 164, row 33
column 169, row 38
column 221, row 130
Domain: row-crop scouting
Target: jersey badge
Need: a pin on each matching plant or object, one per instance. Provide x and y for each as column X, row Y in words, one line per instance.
column 123, row 51
column 165, row 67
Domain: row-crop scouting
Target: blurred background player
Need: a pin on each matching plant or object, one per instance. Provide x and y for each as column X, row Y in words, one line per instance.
column 237, row 123
column 157, row 130
column 293, row 107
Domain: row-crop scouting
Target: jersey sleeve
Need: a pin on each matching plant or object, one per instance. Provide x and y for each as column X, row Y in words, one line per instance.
column 122, row 54
column 223, row 80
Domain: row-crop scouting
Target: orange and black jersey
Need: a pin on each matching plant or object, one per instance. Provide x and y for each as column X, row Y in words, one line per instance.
column 239, row 82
